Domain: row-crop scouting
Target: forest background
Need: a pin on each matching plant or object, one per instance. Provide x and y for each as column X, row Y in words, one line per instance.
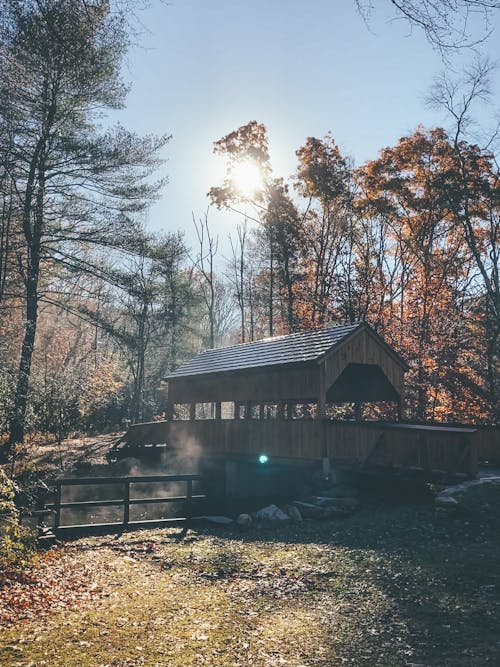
column 96, row 308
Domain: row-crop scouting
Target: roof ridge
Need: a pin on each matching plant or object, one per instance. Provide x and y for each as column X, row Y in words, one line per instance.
column 299, row 347
column 282, row 336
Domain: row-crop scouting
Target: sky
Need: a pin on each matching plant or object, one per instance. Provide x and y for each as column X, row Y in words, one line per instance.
column 205, row 67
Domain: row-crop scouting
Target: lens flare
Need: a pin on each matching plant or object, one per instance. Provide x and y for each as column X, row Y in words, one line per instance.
column 247, row 178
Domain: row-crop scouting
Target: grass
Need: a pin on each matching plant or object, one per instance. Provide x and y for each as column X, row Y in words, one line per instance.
column 389, row 586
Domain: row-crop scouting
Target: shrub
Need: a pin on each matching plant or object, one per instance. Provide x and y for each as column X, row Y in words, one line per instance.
column 17, row 544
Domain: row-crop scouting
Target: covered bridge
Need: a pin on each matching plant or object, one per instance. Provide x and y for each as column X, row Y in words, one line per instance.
column 272, row 397
column 342, row 364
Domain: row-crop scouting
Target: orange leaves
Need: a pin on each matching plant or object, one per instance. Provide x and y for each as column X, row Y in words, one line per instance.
column 54, row 583
column 323, row 172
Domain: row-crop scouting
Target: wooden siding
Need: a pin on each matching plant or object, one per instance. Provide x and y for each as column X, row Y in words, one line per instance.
column 280, row 383
column 365, row 443
column 283, row 439
column 363, row 348
column 393, row 446
column 488, row 444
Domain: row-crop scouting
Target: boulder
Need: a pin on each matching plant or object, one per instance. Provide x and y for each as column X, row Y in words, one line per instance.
column 244, row 520
column 271, row 513
column 446, row 503
column 478, row 495
column 309, row 510
column 347, row 504
column 294, row 513
column 312, row 511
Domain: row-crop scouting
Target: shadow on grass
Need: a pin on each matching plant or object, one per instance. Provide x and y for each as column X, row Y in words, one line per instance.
column 391, row 585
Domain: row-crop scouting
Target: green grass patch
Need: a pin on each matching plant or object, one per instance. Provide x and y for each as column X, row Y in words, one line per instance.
column 390, row 586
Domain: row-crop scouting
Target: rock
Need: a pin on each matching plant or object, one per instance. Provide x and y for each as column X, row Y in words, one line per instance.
column 312, row 511
column 478, row 495
column 218, row 519
column 308, row 510
column 294, row 513
column 347, row 504
column 446, row 502
column 271, row 513
column 244, row 520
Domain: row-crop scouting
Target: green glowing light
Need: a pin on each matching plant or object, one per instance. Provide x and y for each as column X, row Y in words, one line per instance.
column 263, row 458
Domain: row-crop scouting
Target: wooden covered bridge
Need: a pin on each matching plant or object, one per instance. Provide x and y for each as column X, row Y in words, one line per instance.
column 274, row 397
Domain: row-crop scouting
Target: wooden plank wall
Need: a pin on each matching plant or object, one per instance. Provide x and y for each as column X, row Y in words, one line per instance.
column 488, row 444
column 363, row 349
column 431, row 450
column 249, row 385
column 312, row 439
column 287, row 439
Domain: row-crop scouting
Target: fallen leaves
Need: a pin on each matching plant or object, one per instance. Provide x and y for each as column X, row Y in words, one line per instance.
column 388, row 588
column 55, row 582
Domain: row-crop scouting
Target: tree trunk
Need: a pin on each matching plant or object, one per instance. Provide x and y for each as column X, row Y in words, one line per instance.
column 271, row 288
column 34, row 203
column 138, row 393
column 17, row 422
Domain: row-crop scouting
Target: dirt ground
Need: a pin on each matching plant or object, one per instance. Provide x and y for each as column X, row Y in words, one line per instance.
column 394, row 585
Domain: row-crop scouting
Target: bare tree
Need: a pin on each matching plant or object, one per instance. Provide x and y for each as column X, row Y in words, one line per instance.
column 473, row 194
column 204, row 263
column 447, row 24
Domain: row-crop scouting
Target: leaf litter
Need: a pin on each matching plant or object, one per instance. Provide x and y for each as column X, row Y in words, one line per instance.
column 392, row 586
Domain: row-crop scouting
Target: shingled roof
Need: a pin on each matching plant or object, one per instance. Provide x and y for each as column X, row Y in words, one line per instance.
column 291, row 349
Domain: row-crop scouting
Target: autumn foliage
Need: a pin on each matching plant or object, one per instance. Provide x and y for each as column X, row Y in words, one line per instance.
column 408, row 242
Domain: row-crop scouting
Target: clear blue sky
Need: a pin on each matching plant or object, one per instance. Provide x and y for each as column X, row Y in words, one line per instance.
column 302, row 68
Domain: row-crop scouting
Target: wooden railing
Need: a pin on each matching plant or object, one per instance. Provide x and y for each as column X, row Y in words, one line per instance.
column 356, row 443
column 430, row 447
column 125, row 499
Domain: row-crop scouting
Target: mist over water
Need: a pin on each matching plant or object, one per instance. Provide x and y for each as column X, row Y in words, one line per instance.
column 169, row 462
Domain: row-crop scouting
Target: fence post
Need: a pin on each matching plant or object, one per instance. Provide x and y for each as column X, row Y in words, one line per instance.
column 189, row 498
column 126, row 502
column 57, row 505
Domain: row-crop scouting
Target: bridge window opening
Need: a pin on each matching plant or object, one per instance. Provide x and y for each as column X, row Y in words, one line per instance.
column 205, row 411
column 305, row 411
column 181, row 411
column 227, row 410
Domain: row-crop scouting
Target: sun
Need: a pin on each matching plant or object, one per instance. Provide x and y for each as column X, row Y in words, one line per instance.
column 247, row 178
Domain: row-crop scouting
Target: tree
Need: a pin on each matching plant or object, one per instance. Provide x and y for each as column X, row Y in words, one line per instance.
column 74, row 186
column 204, row 264
column 249, row 144
column 473, row 190
column 447, row 24
column 145, row 314
column 324, row 180
column 282, row 226
column 273, row 210
column 409, row 186
column 246, row 144
column 239, row 279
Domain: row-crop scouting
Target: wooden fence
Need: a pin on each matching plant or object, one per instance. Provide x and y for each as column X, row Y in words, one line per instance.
column 430, row 447
column 121, row 492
